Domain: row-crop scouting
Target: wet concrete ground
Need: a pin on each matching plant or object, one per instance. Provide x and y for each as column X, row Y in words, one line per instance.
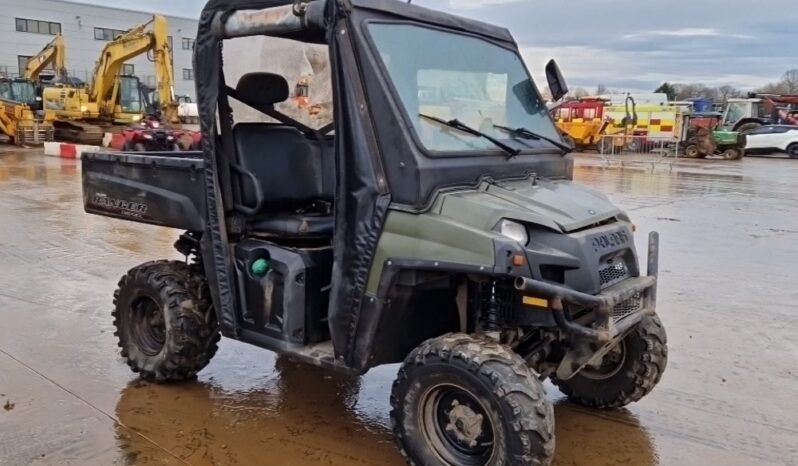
column 727, row 297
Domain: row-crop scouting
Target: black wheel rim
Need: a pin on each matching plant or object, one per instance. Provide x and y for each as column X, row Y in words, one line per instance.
column 147, row 326
column 457, row 426
column 611, row 363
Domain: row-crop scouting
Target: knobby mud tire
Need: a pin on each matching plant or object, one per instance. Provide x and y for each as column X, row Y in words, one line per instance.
column 190, row 332
column 645, row 360
column 520, row 413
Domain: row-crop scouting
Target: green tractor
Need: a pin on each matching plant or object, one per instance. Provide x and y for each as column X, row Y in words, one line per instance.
column 704, row 136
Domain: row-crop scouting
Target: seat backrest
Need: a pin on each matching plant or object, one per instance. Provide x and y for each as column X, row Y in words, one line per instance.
column 293, row 170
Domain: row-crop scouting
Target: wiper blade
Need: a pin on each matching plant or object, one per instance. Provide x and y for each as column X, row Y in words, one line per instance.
column 459, row 125
column 529, row 134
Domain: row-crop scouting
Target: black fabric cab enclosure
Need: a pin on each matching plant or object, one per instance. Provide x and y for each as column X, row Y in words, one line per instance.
column 379, row 162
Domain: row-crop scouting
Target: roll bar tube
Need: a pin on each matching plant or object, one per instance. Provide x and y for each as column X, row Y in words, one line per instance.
column 273, row 21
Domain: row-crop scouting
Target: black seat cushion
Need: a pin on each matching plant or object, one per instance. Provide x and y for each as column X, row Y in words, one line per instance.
column 295, row 225
column 293, row 170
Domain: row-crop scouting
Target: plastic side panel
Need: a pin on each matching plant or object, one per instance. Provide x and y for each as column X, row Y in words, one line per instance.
column 160, row 190
column 430, row 237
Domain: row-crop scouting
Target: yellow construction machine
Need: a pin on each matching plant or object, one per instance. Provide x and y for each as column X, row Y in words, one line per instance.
column 18, row 119
column 53, row 54
column 83, row 114
column 586, row 124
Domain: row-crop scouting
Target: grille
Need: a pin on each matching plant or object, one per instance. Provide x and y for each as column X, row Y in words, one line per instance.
column 627, row 307
column 612, row 272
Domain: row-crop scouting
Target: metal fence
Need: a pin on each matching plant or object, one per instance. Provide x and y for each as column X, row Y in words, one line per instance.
column 621, row 148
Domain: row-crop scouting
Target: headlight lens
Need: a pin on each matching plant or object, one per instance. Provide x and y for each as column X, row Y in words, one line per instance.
column 513, row 230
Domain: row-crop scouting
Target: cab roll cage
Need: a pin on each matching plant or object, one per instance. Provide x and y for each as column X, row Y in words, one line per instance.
column 276, row 21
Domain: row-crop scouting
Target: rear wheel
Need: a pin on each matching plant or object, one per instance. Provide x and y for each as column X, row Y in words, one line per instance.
column 164, row 320
column 463, row 401
column 792, row 151
column 626, row 374
column 692, row 152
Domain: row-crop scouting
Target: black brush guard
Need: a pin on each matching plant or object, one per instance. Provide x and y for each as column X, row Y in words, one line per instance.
column 605, row 329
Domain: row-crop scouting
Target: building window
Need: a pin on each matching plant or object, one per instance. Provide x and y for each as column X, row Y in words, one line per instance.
column 107, row 34
column 188, row 74
column 188, row 44
column 22, row 61
column 38, row 27
column 128, row 69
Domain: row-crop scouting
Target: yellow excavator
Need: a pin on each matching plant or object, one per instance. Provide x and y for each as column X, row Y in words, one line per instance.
column 83, row 114
column 53, row 54
column 20, row 102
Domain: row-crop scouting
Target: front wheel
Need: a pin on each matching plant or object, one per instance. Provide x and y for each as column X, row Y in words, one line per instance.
column 463, row 401
column 165, row 322
column 732, row 154
column 627, row 372
column 792, row 151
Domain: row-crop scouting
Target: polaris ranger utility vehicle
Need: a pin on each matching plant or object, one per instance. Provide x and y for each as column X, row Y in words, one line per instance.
column 433, row 222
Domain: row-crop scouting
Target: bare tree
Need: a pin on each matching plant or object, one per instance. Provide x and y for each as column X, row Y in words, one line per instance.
column 790, row 81
column 602, row 89
column 578, row 93
column 727, row 92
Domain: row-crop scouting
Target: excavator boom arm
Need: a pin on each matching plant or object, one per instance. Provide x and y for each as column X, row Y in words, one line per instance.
column 53, row 53
column 137, row 41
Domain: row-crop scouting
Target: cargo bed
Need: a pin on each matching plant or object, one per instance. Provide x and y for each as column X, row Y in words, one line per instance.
column 160, row 188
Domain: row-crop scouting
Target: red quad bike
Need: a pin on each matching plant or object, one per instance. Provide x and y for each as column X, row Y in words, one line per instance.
column 151, row 136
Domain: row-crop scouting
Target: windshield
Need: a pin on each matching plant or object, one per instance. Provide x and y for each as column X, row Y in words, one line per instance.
column 129, row 94
column 18, row 91
column 453, row 76
column 734, row 112
column 23, row 91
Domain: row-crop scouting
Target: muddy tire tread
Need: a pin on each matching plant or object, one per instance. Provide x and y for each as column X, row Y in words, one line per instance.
column 647, row 370
column 194, row 332
column 512, row 381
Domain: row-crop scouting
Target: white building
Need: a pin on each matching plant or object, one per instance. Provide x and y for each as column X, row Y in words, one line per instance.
column 28, row 25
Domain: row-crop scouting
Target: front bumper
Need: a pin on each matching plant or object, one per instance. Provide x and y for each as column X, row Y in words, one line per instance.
column 605, row 327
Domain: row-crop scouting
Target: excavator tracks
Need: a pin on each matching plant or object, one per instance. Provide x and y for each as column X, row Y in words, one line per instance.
column 79, row 132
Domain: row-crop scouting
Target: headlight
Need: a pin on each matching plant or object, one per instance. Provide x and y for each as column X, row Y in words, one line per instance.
column 84, row 108
column 136, row 117
column 513, row 230
column 148, row 136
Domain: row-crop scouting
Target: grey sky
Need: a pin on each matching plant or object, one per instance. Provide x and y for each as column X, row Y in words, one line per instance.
column 627, row 44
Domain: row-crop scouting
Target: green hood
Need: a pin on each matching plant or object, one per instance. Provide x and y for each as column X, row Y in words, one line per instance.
column 560, row 205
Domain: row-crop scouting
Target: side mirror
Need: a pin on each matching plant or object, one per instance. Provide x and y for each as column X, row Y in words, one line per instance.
column 557, row 85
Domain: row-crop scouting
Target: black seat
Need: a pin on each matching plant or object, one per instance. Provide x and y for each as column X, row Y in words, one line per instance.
column 294, row 171
column 296, row 176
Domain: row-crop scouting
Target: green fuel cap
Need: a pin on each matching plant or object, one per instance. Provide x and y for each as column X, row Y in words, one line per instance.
column 259, row 267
